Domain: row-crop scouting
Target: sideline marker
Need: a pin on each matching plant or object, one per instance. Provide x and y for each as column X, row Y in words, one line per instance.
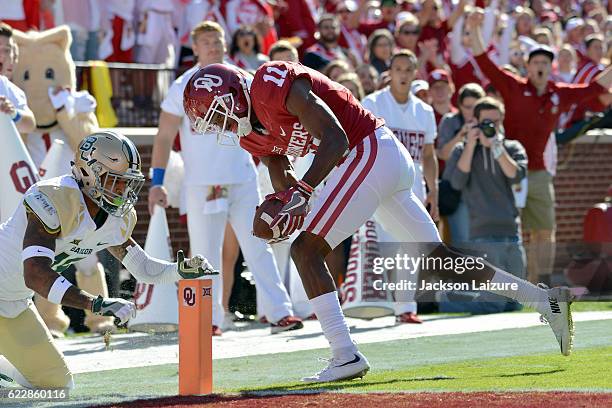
column 195, row 336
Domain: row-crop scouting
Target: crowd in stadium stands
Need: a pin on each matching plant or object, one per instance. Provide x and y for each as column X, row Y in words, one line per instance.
column 477, row 63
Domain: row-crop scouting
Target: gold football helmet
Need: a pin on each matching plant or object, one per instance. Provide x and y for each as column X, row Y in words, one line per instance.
column 107, row 167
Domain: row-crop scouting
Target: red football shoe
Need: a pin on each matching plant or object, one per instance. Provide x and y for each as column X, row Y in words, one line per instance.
column 216, row 331
column 286, row 323
column 408, row 317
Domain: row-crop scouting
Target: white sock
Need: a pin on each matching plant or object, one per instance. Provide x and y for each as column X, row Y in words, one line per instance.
column 336, row 331
column 527, row 293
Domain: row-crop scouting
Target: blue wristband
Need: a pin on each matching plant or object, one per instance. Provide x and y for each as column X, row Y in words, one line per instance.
column 17, row 116
column 158, row 176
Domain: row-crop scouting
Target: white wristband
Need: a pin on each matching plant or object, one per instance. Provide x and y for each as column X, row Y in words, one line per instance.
column 35, row 250
column 58, row 289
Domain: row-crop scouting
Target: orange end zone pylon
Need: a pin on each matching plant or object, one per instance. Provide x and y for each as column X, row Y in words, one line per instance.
column 195, row 336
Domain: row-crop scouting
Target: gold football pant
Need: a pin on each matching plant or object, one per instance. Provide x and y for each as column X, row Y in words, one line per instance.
column 27, row 344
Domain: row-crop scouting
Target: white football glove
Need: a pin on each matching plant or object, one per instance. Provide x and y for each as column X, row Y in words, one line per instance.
column 120, row 308
column 193, row 268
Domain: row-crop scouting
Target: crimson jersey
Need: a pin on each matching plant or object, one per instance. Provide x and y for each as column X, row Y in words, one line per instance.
column 285, row 135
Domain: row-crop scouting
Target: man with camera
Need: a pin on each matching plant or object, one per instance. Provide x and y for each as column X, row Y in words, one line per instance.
column 484, row 167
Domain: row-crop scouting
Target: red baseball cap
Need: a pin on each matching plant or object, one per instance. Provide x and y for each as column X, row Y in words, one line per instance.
column 439, row 75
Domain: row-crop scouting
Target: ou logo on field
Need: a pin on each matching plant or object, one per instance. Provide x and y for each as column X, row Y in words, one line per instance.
column 208, row 82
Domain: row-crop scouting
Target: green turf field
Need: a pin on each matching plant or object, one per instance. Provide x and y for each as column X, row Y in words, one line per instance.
column 516, row 359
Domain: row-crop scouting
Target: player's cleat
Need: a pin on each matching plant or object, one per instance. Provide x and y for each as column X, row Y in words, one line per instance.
column 408, row 317
column 6, row 381
column 216, row 331
column 559, row 317
column 341, row 370
column 287, row 323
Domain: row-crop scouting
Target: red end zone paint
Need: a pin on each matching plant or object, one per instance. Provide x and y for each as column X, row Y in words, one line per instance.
column 391, row 400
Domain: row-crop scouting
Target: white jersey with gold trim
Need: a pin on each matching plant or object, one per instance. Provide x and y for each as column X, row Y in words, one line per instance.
column 56, row 202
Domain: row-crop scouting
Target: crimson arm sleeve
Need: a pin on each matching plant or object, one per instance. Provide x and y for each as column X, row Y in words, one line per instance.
column 570, row 94
column 503, row 81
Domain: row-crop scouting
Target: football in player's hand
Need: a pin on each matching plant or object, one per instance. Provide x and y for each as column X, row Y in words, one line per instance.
column 263, row 218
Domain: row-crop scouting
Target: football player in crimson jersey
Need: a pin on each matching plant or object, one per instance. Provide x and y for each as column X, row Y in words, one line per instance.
column 288, row 109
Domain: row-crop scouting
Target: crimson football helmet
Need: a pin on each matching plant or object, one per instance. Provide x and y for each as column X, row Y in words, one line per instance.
column 214, row 95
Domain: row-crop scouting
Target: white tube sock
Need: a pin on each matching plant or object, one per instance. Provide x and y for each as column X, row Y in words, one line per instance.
column 336, row 331
column 527, row 293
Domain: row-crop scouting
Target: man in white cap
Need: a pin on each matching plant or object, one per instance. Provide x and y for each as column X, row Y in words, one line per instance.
column 420, row 89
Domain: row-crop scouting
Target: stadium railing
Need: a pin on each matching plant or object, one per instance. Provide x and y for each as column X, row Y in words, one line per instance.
column 137, row 89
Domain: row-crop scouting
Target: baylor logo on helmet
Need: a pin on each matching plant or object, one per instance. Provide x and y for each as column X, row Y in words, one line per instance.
column 87, row 145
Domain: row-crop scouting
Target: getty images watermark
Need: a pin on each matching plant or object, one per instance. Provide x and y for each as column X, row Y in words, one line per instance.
column 401, row 264
column 381, row 270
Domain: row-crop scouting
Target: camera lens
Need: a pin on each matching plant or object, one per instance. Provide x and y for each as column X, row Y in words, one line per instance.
column 488, row 128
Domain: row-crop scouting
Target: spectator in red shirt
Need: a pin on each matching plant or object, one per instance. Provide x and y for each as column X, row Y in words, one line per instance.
column 435, row 27
column 441, row 89
column 296, row 19
column 255, row 13
column 463, row 67
column 327, row 48
column 533, row 106
column 388, row 13
column 350, row 37
column 407, row 32
column 596, row 113
column 23, row 16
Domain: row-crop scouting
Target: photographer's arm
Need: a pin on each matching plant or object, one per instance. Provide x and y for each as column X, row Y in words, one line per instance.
column 507, row 164
column 513, row 162
column 465, row 161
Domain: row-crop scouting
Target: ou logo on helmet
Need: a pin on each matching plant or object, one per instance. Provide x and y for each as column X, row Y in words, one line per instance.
column 208, row 82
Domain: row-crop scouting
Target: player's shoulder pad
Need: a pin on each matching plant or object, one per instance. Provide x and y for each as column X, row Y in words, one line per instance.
column 67, row 199
column 42, row 207
column 129, row 222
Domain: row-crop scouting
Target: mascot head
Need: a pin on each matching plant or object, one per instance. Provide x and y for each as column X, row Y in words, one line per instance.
column 44, row 62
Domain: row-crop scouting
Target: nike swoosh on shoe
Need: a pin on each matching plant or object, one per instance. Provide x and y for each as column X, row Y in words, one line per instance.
column 353, row 361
